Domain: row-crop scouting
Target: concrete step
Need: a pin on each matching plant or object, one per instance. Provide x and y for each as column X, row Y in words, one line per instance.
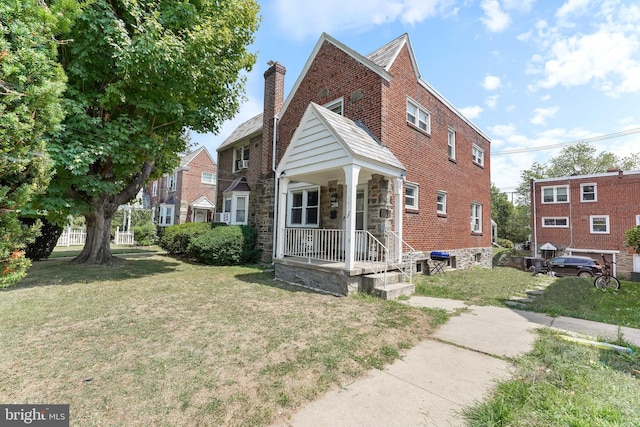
column 534, row 292
column 394, row 290
column 373, row 281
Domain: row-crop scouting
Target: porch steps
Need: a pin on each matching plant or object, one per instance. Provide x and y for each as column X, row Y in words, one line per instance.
column 396, row 286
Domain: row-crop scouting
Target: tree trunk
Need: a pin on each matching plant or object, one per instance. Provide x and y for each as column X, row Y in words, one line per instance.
column 97, row 247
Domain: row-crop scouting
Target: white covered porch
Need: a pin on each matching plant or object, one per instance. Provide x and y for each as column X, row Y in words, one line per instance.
column 339, row 197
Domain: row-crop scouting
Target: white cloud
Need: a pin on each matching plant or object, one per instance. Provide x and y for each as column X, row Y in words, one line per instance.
column 519, row 5
column 491, row 82
column 472, row 112
column 502, row 130
column 608, row 57
column 572, row 7
column 524, row 37
column 495, row 19
column 545, row 97
column 540, row 115
column 492, row 101
column 308, row 19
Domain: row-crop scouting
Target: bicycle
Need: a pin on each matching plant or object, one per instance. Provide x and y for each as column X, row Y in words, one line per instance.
column 606, row 280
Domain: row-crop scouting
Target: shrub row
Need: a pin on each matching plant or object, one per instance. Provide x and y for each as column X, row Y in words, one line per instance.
column 213, row 245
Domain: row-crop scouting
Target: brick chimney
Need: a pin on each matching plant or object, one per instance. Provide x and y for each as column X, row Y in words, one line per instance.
column 273, row 101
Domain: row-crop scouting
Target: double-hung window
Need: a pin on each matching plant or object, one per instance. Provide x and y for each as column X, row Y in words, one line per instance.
column 588, row 192
column 476, row 217
column 241, row 158
column 172, row 181
column 208, row 178
column 236, row 204
column 411, row 196
column 304, row 206
column 442, row 203
column 555, row 194
column 477, row 154
column 599, row 224
column 418, row 116
column 451, row 143
column 154, row 188
column 555, row 222
column 166, row 215
column 337, row 106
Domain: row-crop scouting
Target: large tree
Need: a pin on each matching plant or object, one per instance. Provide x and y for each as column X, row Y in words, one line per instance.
column 582, row 159
column 31, row 85
column 139, row 72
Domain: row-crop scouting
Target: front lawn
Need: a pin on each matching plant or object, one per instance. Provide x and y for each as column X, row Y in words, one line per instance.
column 160, row 342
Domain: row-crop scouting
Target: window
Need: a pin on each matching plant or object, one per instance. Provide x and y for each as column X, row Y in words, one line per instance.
column 588, row 193
column 476, row 217
column 154, row 188
column 166, row 215
column 411, row 195
column 303, row 207
column 556, row 194
column 208, row 178
column 418, row 116
column 241, row 158
column 451, row 142
column 237, row 205
column 336, row 106
column 171, row 181
column 442, row 202
column 477, row 154
column 555, row 222
column 599, row 224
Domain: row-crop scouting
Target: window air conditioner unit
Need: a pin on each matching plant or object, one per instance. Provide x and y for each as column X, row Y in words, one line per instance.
column 224, row 217
column 244, row 164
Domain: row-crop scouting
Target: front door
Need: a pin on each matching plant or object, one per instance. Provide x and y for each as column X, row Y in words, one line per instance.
column 200, row 215
column 361, row 218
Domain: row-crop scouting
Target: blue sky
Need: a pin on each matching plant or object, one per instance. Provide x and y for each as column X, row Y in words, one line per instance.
column 529, row 73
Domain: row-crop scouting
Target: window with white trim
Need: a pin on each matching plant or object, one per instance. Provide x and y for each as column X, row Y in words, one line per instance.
column 236, row 204
column 172, row 181
column 555, row 222
column 599, row 224
column 304, row 207
column 637, row 219
column 337, row 106
column 588, row 192
column 442, row 202
column 418, row 116
column 411, row 195
column 166, row 215
column 477, row 154
column 154, row 188
column 451, row 143
column 476, row 217
column 555, row 194
column 241, row 158
column 208, row 178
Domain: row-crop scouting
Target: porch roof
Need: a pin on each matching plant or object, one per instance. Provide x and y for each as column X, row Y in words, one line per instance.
column 326, row 141
column 202, row 203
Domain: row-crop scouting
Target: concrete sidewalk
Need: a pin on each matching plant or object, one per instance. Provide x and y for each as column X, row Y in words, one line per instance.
column 437, row 378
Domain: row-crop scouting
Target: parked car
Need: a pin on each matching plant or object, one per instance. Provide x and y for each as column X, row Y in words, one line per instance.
column 580, row 266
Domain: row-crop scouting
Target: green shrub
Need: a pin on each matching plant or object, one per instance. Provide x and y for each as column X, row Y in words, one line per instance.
column 145, row 234
column 230, row 245
column 505, row 243
column 175, row 239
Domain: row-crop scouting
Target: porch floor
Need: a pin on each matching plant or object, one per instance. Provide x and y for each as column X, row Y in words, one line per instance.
column 359, row 268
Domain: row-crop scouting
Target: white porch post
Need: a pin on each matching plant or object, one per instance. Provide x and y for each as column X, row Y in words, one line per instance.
column 351, row 173
column 281, row 216
column 399, row 199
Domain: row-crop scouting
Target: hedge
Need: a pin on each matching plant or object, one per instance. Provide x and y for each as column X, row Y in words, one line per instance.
column 228, row 245
column 175, row 239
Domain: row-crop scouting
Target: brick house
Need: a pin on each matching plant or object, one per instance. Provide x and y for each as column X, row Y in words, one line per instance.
column 361, row 164
column 188, row 194
column 587, row 215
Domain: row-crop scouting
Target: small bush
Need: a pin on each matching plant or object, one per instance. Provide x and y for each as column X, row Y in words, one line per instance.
column 176, row 238
column 230, row 245
column 505, row 243
column 145, row 234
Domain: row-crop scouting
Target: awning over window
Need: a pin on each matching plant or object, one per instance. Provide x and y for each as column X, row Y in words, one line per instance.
column 202, row 203
column 548, row 247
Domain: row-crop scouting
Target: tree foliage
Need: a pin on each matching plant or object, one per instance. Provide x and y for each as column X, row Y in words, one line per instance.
column 512, row 220
column 31, row 85
column 139, row 73
column 632, row 238
column 582, row 159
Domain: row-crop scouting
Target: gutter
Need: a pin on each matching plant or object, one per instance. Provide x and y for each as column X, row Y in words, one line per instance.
column 276, row 189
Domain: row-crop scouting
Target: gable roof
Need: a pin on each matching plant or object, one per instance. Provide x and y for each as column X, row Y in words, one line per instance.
column 187, row 158
column 326, row 141
column 202, row 202
column 251, row 127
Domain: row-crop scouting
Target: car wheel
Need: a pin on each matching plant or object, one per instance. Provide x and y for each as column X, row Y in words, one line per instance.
column 585, row 274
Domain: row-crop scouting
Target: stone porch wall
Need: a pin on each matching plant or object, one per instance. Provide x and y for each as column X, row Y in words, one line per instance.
column 328, row 280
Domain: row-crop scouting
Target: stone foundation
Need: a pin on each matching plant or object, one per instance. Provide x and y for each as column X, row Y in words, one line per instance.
column 328, row 280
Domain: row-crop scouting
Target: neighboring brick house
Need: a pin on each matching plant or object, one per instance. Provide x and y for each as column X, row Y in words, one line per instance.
column 362, row 157
column 587, row 215
column 188, row 194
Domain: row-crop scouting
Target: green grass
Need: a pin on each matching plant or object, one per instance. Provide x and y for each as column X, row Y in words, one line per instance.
column 574, row 297
column 162, row 342
column 72, row 251
column 564, row 384
column 479, row 286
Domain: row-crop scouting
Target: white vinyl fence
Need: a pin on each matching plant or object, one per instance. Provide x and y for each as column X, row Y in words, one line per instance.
column 71, row 237
column 123, row 237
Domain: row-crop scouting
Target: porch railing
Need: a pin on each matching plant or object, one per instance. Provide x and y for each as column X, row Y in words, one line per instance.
column 406, row 260
column 72, row 238
column 123, row 237
column 315, row 243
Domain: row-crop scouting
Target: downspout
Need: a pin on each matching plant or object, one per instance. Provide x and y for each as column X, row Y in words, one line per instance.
column 277, row 181
column 570, row 216
column 535, row 218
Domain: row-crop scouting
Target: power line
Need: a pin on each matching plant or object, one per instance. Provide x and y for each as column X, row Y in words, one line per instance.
column 561, row 144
